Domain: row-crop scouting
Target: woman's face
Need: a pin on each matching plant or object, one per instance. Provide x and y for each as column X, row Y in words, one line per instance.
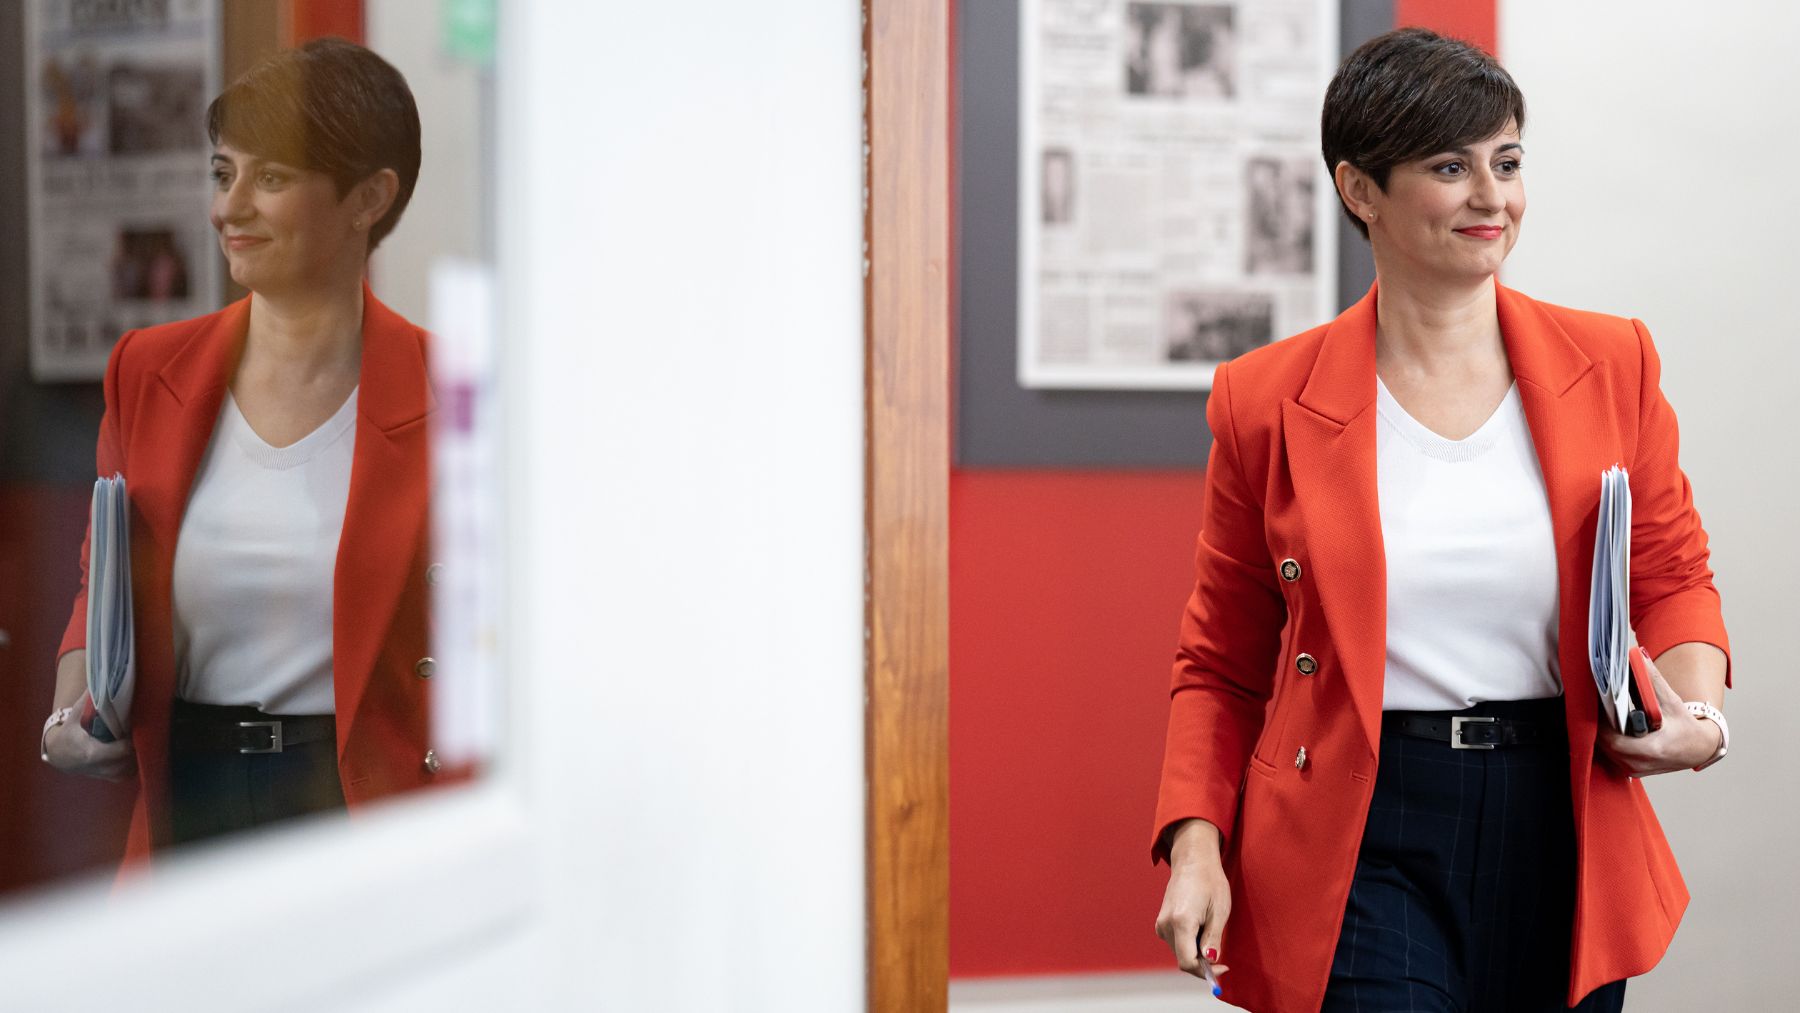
column 1455, row 212
column 283, row 228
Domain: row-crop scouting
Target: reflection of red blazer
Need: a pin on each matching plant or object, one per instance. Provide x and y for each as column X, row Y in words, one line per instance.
column 1292, row 474
column 164, row 388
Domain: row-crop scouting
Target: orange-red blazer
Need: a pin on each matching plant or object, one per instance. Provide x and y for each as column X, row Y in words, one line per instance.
column 164, row 388
column 1292, row 475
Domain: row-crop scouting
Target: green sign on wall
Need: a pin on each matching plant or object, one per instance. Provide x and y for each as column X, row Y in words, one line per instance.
column 468, row 29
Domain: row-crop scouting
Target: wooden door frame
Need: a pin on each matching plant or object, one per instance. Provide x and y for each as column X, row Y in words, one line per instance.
column 906, row 327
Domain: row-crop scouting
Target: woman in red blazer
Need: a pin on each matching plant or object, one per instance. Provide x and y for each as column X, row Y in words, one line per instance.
column 317, row 152
column 1327, row 847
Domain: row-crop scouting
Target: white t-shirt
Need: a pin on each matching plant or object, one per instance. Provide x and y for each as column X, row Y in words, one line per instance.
column 254, row 566
column 1471, row 562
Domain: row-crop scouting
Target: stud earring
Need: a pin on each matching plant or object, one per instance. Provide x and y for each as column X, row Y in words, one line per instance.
column 357, row 225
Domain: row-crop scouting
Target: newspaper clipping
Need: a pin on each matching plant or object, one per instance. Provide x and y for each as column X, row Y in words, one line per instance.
column 1174, row 211
column 116, row 97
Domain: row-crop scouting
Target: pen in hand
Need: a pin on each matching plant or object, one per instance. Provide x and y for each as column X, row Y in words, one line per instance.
column 1206, row 971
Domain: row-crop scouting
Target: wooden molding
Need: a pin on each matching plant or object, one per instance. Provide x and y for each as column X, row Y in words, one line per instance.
column 907, row 344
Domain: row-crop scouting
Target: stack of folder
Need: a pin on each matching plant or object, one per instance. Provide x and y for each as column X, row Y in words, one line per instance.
column 111, row 666
column 1621, row 671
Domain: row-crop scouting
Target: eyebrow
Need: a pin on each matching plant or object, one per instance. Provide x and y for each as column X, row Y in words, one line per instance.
column 1510, row 146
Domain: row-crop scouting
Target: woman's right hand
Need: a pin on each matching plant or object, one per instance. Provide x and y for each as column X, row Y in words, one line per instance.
column 73, row 751
column 1198, row 899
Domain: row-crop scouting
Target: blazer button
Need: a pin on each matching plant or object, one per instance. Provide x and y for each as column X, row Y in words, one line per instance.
column 434, row 573
column 1290, row 570
column 1307, row 664
column 431, row 761
column 425, row 667
column 1300, row 759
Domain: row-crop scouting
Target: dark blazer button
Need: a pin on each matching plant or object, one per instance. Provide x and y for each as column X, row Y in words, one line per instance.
column 425, row 667
column 1307, row 664
column 1300, row 759
column 1290, row 570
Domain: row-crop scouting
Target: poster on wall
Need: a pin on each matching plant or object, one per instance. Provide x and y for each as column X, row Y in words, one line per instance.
column 1174, row 210
column 116, row 170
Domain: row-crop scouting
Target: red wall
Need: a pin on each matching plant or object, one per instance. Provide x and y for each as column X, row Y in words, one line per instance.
column 1064, row 593
column 1065, row 589
column 310, row 19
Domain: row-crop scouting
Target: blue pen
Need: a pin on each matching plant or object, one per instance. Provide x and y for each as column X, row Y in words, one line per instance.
column 1207, row 971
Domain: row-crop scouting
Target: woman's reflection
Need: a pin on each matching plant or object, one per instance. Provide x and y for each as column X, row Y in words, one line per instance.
column 276, row 458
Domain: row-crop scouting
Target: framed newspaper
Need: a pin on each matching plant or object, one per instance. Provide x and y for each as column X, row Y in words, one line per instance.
column 1173, row 208
column 116, row 171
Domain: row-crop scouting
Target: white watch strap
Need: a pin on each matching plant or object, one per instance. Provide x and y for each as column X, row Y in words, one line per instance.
column 1702, row 709
column 50, row 722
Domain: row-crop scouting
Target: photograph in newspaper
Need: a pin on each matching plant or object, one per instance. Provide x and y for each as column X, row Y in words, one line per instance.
column 116, row 170
column 1174, row 211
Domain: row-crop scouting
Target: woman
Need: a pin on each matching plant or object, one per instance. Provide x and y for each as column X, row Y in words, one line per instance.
column 275, row 455
column 1397, row 548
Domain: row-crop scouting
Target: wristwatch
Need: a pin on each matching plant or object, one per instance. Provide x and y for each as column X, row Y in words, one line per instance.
column 1702, row 709
column 51, row 722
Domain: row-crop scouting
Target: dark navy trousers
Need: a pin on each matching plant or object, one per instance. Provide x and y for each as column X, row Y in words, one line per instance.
column 1464, row 891
column 215, row 793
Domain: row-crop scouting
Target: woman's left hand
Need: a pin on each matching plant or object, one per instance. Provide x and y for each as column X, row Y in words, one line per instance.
column 1682, row 743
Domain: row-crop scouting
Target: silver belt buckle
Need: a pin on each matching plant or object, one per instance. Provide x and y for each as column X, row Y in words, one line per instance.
column 274, row 728
column 1456, row 727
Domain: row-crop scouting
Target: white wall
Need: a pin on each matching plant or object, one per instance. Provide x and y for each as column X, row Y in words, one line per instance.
column 1660, row 168
column 681, row 217
column 444, row 218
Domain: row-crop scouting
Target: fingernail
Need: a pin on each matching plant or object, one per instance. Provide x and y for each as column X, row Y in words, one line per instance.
column 1212, row 954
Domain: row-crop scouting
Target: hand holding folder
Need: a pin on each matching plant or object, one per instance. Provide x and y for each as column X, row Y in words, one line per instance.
column 111, row 664
column 1621, row 668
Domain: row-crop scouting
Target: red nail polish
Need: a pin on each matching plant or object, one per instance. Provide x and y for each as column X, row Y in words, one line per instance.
column 1212, row 954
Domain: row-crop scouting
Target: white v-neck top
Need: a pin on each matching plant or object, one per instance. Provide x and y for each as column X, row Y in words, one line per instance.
column 254, row 566
column 1471, row 561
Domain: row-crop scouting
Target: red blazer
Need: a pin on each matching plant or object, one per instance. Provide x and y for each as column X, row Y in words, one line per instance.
column 164, row 388
column 1292, row 474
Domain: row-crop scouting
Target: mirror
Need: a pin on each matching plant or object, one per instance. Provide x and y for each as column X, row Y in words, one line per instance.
column 251, row 277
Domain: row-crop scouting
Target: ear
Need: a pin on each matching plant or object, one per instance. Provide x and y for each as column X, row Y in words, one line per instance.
column 374, row 195
column 1357, row 189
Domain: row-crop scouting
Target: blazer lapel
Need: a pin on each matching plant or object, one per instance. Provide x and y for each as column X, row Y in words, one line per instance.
column 1329, row 436
column 1569, row 411
column 192, row 388
column 385, row 516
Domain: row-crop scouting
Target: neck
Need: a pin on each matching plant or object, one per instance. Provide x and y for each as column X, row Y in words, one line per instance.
column 306, row 336
column 1431, row 325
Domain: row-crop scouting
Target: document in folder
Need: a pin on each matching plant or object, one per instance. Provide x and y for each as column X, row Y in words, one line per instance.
column 1621, row 669
column 111, row 667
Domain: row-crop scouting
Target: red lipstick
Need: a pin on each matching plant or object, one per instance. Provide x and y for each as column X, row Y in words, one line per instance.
column 1483, row 231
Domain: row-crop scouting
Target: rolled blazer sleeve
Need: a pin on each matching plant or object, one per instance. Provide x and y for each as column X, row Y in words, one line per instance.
column 1229, row 644
column 109, row 458
column 1673, row 600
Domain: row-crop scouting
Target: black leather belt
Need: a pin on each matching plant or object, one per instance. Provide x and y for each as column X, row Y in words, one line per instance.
column 209, row 728
column 1470, row 731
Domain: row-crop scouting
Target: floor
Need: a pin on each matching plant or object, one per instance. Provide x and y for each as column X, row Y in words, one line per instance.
column 1135, row 992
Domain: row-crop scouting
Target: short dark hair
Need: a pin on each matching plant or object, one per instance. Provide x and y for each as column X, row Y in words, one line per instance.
column 331, row 106
column 1408, row 94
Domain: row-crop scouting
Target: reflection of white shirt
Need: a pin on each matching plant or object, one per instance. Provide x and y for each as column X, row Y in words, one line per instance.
column 254, row 565
column 1471, row 562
